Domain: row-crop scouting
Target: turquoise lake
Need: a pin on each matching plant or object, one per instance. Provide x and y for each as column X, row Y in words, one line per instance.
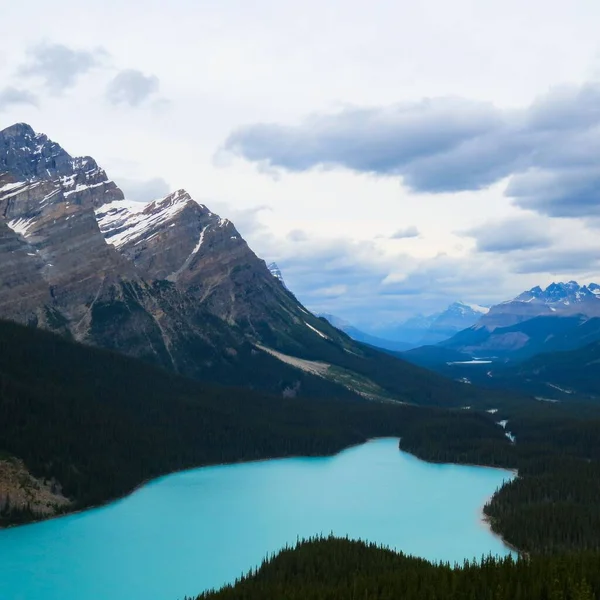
column 190, row 531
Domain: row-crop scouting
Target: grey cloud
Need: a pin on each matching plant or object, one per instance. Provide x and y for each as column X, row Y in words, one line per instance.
column 369, row 140
column 144, row 190
column 559, row 261
column 132, row 87
column 511, row 234
column 60, row 66
column 10, row 96
column 443, row 277
column 550, row 149
column 407, row 232
column 357, row 281
column 297, row 235
column 372, row 297
column 570, row 192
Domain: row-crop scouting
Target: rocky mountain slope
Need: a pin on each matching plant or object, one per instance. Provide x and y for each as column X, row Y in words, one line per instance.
column 276, row 272
column 535, row 321
column 558, row 299
column 169, row 282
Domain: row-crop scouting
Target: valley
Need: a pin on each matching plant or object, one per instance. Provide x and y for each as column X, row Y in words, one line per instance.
column 142, row 339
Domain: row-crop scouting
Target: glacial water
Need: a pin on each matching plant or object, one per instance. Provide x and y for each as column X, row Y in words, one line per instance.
column 199, row 529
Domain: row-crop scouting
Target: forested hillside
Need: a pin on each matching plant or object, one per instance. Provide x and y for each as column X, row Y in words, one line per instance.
column 331, row 569
column 100, row 423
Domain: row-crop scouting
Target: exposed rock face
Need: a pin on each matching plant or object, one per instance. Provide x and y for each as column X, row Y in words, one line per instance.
column 19, row 489
column 168, row 281
column 47, row 201
column 558, row 299
column 24, row 289
column 204, row 255
column 561, row 317
column 276, row 272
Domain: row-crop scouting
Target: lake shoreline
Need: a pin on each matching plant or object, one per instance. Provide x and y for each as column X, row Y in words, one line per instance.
column 483, row 517
column 151, row 480
column 372, row 492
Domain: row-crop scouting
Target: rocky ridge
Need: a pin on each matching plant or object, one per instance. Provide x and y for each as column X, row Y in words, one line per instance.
column 167, row 281
column 558, row 299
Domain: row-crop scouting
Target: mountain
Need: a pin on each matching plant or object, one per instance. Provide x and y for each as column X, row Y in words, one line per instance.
column 564, row 316
column 558, row 299
column 525, row 339
column 431, row 329
column 276, row 272
column 171, row 283
column 456, row 317
column 553, row 375
column 558, row 375
column 84, row 425
column 365, row 338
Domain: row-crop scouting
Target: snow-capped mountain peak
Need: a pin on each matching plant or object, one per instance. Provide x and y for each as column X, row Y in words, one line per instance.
column 465, row 308
column 124, row 221
column 276, row 272
column 556, row 300
column 560, row 293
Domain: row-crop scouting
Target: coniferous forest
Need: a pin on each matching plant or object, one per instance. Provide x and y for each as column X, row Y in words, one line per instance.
column 331, row 569
column 101, row 424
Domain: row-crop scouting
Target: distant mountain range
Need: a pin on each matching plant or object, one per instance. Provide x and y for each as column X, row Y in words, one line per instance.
column 564, row 316
column 169, row 282
column 542, row 342
column 431, row 329
column 558, row 299
column 471, row 329
column 361, row 336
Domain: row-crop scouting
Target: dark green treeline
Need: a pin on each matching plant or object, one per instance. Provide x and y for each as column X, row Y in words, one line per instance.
column 101, row 424
column 332, row 569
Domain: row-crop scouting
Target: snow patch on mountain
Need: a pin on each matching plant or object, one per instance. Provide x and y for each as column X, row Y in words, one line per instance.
column 7, row 187
column 10, row 190
column 123, row 221
column 316, row 331
column 476, row 308
column 21, row 226
column 559, row 293
column 276, row 272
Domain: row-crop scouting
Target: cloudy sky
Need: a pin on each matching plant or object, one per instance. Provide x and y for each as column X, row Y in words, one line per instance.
column 391, row 156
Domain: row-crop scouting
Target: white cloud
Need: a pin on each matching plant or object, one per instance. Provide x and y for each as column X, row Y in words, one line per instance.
column 144, row 190
column 224, row 65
